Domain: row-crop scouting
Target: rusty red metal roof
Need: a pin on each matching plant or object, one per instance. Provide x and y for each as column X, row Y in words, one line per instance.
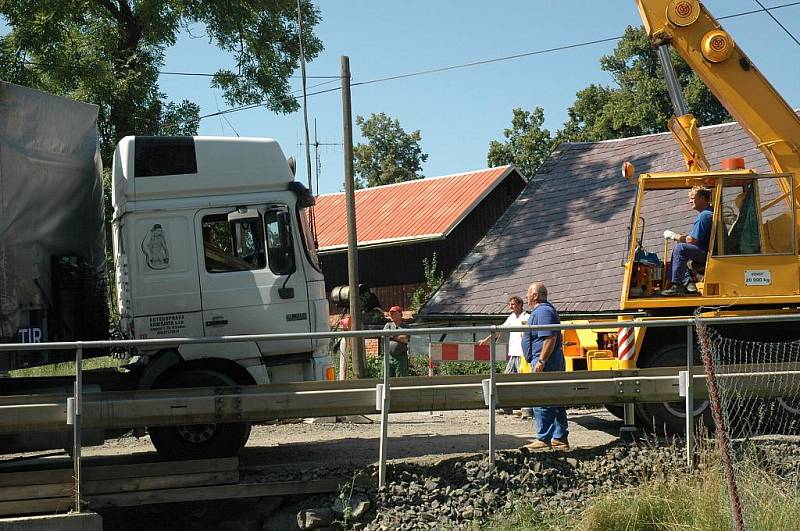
column 425, row 209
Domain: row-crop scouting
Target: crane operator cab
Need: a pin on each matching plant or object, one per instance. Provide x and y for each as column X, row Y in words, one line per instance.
column 712, row 238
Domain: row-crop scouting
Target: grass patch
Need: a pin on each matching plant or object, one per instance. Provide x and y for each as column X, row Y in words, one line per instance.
column 526, row 516
column 696, row 503
column 67, row 368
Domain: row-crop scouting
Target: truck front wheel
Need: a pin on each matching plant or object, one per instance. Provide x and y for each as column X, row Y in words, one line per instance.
column 199, row 441
column 669, row 418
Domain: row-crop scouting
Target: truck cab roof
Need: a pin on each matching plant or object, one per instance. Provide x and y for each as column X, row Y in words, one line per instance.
column 154, row 168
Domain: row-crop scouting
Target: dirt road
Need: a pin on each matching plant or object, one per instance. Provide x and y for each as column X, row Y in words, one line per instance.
column 412, row 436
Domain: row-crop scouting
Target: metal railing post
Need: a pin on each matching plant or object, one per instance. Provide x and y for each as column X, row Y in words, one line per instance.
column 384, row 415
column 76, row 426
column 689, row 397
column 492, row 402
column 430, row 359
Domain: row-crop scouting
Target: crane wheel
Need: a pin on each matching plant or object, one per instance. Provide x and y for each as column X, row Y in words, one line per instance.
column 669, row 418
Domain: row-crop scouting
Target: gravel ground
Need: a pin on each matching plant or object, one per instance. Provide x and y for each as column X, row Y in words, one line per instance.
column 438, row 473
column 442, row 443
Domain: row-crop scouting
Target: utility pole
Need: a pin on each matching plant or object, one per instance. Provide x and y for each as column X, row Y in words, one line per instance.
column 356, row 344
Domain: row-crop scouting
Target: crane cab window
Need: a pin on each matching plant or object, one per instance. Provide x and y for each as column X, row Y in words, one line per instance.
column 280, row 244
column 233, row 246
column 754, row 218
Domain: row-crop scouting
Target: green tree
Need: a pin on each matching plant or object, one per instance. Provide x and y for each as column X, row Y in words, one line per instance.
column 434, row 279
column 527, row 144
column 640, row 103
column 390, row 155
column 109, row 52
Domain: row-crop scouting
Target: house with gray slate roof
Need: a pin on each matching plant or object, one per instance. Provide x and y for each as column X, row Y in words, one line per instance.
column 569, row 227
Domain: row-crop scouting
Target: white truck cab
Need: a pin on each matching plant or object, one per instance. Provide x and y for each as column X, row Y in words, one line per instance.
column 212, row 237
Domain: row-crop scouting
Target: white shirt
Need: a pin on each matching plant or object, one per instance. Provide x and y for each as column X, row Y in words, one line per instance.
column 515, row 338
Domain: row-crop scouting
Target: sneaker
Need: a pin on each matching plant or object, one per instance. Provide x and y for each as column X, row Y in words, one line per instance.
column 526, row 413
column 691, row 287
column 560, row 443
column 538, row 444
column 676, row 290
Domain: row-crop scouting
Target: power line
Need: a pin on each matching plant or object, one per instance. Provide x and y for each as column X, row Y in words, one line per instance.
column 207, row 74
column 488, row 61
column 261, row 104
column 160, row 72
column 778, row 22
column 504, row 58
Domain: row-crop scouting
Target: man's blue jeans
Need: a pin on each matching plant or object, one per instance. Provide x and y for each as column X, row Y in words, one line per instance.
column 551, row 422
column 682, row 253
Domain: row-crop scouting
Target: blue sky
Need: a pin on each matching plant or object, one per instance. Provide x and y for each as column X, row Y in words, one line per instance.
column 460, row 111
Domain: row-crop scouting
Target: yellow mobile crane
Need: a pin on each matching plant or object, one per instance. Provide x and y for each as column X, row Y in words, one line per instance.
column 752, row 264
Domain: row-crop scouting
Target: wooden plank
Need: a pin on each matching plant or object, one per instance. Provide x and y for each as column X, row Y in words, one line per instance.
column 45, row 505
column 33, row 492
column 227, row 477
column 104, row 472
column 241, row 490
column 129, row 499
column 56, row 490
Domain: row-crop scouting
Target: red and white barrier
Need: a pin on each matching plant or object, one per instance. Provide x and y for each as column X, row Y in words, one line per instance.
column 466, row 352
column 626, row 343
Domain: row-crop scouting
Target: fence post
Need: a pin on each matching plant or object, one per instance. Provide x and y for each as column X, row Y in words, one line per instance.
column 492, row 402
column 76, row 426
column 430, row 359
column 384, row 414
column 689, row 397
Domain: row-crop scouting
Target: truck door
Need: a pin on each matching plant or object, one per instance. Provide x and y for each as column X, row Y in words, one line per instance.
column 250, row 281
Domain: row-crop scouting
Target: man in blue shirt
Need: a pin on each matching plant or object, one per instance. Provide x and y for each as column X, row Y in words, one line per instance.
column 543, row 350
column 692, row 246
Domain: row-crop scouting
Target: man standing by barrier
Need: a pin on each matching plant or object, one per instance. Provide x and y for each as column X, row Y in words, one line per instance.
column 398, row 345
column 543, row 350
column 517, row 317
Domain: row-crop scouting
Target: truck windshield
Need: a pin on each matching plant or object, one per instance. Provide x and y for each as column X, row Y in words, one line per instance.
column 309, row 240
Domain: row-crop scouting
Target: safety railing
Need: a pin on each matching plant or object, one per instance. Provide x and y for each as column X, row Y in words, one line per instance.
column 383, row 390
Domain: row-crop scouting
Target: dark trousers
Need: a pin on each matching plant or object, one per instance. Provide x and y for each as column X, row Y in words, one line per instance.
column 682, row 253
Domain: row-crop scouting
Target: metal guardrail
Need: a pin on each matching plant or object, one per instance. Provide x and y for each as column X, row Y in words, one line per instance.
column 169, row 407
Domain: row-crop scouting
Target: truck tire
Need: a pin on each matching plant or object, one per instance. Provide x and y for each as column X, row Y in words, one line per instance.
column 199, row 441
column 669, row 418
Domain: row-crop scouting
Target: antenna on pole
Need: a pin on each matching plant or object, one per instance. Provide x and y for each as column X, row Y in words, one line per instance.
column 317, row 159
column 316, row 155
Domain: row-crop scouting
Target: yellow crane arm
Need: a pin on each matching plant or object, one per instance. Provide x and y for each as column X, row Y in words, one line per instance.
column 711, row 52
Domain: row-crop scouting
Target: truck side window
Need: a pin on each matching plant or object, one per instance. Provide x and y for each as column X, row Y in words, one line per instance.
column 234, row 246
column 280, row 244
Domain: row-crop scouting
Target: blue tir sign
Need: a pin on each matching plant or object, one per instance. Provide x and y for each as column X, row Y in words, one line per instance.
column 29, row 335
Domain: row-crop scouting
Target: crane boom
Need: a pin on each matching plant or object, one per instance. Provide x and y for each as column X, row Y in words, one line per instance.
column 725, row 69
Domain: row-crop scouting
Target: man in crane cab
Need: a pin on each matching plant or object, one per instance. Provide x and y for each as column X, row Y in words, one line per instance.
column 692, row 246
